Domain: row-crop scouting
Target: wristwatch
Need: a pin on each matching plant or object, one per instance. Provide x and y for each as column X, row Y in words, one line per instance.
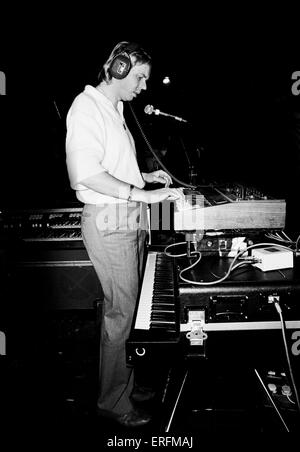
column 130, row 193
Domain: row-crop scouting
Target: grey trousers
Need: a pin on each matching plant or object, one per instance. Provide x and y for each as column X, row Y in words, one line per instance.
column 114, row 236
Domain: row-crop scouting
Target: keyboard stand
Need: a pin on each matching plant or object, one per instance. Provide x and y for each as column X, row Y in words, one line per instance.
column 169, row 423
column 186, row 380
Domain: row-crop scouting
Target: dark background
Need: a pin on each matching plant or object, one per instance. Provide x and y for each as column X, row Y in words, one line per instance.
column 231, row 77
column 230, row 72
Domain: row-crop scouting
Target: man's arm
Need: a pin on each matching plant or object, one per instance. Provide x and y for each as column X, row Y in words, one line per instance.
column 109, row 185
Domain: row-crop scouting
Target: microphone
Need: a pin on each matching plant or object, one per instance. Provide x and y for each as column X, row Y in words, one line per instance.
column 149, row 109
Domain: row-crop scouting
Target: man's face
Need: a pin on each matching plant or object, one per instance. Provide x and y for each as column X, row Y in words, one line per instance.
column 135, row 82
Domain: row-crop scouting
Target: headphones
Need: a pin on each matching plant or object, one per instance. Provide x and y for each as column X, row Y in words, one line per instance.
column 121, row 64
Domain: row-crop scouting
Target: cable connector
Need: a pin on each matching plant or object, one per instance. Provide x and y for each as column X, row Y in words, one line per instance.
column 278, row 308
column 252, row 259
column 275, row 299
column 286, row 390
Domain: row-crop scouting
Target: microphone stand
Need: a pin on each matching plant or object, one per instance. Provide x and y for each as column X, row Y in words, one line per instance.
column 192, row 171
column 180, row 182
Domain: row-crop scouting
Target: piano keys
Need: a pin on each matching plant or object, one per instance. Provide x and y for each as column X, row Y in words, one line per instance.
column 156, row 326
column 157, row 299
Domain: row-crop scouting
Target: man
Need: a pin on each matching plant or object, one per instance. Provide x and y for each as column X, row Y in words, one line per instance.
column 103, row 169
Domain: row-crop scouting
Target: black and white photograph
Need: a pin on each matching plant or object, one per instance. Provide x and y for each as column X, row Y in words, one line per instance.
column 149, row 224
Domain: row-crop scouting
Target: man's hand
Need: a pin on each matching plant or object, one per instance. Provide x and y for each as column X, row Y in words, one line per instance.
column 153, row 196
column 158, row 176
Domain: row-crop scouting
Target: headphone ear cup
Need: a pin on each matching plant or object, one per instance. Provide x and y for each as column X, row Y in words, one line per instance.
column 120, row 66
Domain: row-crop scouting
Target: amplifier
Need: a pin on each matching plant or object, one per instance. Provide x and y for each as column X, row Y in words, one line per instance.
column 44, row 260
column 65, row 284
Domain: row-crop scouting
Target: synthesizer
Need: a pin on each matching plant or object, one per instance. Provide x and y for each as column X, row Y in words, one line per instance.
column 228, row 207
column 209, row 208
column 43, row 236
column 42, row 225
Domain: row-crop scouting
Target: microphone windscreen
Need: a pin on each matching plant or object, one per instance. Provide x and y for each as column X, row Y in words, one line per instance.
column 148, row 109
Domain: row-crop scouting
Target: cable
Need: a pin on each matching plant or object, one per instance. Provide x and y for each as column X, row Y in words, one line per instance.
column 290, row 400
column 232, row 267
column 283, row 330
column 287, row 237
column 191, row 266
column 210, row 283
column 276, row 236
column 175, row 255
column 239, row 264
column 298, row 238
column 184, row 184
column 197, row 261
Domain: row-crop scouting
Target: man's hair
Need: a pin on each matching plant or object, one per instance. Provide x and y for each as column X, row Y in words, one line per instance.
column 133, row 50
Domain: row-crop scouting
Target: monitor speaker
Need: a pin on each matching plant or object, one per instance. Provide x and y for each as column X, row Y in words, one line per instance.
column 54, row 285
